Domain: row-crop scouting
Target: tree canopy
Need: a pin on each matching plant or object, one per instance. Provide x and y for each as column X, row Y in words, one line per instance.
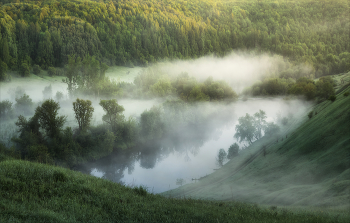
column 138, row 32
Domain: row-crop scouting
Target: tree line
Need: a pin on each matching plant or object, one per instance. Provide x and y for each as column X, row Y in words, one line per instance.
column 43, row 134
column 321, row 89
column 124, row 32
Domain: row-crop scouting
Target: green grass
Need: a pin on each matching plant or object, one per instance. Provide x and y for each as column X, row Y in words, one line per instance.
column 310, row 168
column 32, row 192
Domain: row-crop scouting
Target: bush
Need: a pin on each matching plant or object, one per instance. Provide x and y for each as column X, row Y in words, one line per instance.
column 271, row 129
column 221, row 157
column 310, row 114
column 24, row 105
column 346, row 93
column 332, row 98
column 233, row 151
column 5, row 109
column 51, row 71
column 59, row 96
column 36, row 69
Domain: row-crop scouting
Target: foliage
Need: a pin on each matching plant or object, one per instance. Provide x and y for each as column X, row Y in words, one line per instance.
column 3, row 69
column 221, row 157
column 83, row 113
column 113, row 115
column 138, row 33
column 6, row 110
column 332, row 98
column 245, row 129
column 50, row 186
column 24, row 105
column 151, row 125
column 51, row 71
column 271, row 129
column 346, row 93
column 59, row 95
column 155, row 83
column 48, row 118
column 233, row 151
column 36, row 69
column 47, row 92
column 311, row 113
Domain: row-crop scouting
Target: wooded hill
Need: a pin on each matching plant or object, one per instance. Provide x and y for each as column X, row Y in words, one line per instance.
column 138, row 32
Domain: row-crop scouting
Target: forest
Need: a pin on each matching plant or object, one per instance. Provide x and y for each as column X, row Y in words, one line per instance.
column 45, row 33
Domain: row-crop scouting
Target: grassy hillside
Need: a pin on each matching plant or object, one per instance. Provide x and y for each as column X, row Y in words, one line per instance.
column 32, row 192
column 307, row 166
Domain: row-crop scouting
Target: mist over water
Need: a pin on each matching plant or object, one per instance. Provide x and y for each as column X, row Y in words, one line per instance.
column 192, row 153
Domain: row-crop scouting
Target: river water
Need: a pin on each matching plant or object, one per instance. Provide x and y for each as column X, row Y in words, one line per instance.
column 192, row 152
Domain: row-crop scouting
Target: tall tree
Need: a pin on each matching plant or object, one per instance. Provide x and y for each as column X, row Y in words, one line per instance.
column 113, row 114
column 83, row 113
column 48, row 118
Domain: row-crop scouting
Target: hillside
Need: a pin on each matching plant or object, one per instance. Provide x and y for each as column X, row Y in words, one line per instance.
column 306, row 165
column 140, row 32
column 32, row 192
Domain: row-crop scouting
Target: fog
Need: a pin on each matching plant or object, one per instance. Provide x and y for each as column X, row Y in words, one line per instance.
column 197, row 132
column 158, row 165
column 238, row 69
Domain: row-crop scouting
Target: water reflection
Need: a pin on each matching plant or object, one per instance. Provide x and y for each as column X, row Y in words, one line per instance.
column 189, row 149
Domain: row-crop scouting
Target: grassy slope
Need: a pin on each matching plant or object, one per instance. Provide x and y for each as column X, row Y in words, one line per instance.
column 32, row 192
column 309, row 168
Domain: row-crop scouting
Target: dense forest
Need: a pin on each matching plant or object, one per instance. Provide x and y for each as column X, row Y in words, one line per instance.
column 134, row 32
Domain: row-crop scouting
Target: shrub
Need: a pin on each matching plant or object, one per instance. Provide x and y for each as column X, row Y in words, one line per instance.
column 233, row 151
column 310, row 114
column 36, row 69
column 24, row 105
column 59, row 96
column 51, row 71
column 332, row 98
column 346, row 93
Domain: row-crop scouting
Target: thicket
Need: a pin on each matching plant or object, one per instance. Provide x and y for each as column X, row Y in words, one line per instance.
column 43, row 135
column 125, row 32
column 310, row 89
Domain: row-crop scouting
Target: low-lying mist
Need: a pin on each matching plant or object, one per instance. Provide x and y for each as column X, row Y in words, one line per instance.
column 192, row 132
column 239, row 69
column 190, row 151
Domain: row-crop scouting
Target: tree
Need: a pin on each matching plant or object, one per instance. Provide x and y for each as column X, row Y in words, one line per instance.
column 48, row 118
column 24, row 69
column 47, row 92
column 3, row 69
column 24, row 104
column 83, row 113
column 271, row 129
column 5, row 109
column 259, row 123
column 51, row 71
column 113, row 114
column 59, row 96
column 245, row 129
column 233, row 151
column 36, row 69
column 151, row 123
column 221, row 158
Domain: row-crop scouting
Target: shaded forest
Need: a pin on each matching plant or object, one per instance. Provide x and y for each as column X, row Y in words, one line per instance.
column 135, row 32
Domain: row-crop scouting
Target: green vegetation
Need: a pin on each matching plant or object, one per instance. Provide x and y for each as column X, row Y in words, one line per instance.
column 46, row 33
column 306, row 164
column 322, row 89
column 35, row 192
